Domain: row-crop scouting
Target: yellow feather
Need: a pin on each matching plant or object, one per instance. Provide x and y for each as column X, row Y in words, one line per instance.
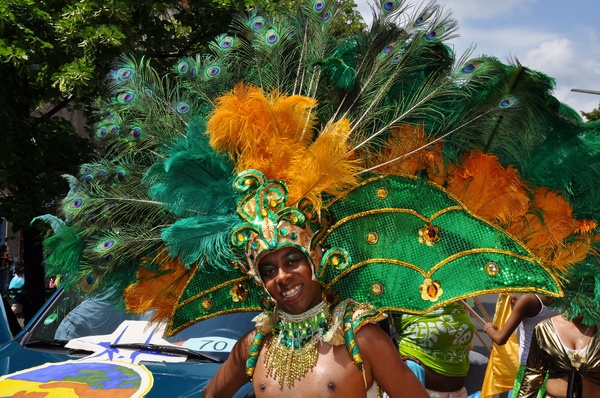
column 325, row 166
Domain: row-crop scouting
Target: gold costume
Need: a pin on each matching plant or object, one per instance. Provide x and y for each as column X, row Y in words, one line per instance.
column 547, row 354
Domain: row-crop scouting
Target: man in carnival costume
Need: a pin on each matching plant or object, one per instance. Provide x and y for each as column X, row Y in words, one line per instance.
column 310, row 345
column 321, row 365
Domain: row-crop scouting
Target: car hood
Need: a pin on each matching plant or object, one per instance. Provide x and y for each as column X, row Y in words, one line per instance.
column 27, row 371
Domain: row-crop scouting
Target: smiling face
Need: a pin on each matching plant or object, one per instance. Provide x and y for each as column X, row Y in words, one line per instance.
column 287, row 276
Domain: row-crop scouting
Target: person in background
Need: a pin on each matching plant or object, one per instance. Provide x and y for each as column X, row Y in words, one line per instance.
column 15, row 288
column 565, row 348
column 436, row 347
column 568, row 351
column 528, row 310
column 6, row 261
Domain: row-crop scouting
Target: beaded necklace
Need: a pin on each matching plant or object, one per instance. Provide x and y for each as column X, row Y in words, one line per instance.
column 294, row 348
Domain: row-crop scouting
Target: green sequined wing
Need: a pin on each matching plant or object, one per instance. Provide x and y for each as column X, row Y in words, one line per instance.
column 206, row 296
column 404, row 244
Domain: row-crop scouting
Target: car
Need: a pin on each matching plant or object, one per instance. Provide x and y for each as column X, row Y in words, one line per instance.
column 93, row 344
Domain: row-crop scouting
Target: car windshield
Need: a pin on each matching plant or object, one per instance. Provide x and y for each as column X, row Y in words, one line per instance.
column 70, row 317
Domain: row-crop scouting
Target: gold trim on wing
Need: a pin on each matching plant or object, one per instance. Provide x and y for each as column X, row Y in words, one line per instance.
column 483, row 250
column 428, row 274
column 212, row 289
column 391, row 210
column 375, row 260
column 475, row 294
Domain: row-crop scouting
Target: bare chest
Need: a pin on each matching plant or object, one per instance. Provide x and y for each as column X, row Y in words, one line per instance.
column 334, row 375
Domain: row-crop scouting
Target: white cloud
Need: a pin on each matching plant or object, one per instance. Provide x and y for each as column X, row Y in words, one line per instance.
column 493, row 41
column 552, row 56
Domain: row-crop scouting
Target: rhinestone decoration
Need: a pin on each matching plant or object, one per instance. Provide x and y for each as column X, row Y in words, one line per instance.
column 377, row 288
column 372, row 238
column 239, row 292
column 431, row 290
column 492, row 269
column 207, row 304
column 382, row 193
column 429, row 234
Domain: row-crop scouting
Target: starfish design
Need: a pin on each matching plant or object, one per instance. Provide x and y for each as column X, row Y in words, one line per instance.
column 128, row 332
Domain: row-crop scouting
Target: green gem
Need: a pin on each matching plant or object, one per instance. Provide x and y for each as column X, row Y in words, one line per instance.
column 293, row 235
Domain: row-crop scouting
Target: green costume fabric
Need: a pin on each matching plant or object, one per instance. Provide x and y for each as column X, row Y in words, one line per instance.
column 439, row 339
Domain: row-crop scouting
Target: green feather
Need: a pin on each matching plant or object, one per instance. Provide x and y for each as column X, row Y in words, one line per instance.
column 54, row 222
column 64, row 253
column 204, row 240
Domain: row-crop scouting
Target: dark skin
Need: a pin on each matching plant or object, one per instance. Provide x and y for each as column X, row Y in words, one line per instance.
column 287, row 276
column 438, row 382
column 526, row 305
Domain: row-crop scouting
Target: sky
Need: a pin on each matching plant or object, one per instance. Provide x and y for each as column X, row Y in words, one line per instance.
column 560, row 38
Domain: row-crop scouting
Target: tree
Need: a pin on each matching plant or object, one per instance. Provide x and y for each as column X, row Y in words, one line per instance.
column 350, row 22
column 593, row 115
column 54, row 55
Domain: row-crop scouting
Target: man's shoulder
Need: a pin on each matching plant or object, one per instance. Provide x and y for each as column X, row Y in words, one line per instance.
column 358, row 313
column 347, row 318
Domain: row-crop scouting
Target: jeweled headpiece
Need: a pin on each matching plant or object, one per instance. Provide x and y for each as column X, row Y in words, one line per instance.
column 269, row 223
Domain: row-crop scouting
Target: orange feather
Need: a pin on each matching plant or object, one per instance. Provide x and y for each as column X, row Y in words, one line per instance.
column 409, row 151
column 489, row 190
column 547, row 224
column 274, row 134
column 157, row 290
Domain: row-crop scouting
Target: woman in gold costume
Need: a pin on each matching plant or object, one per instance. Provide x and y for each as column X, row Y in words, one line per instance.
column 566, row 346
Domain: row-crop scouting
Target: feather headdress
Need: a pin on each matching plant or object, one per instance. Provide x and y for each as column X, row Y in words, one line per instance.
column 396, row 169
